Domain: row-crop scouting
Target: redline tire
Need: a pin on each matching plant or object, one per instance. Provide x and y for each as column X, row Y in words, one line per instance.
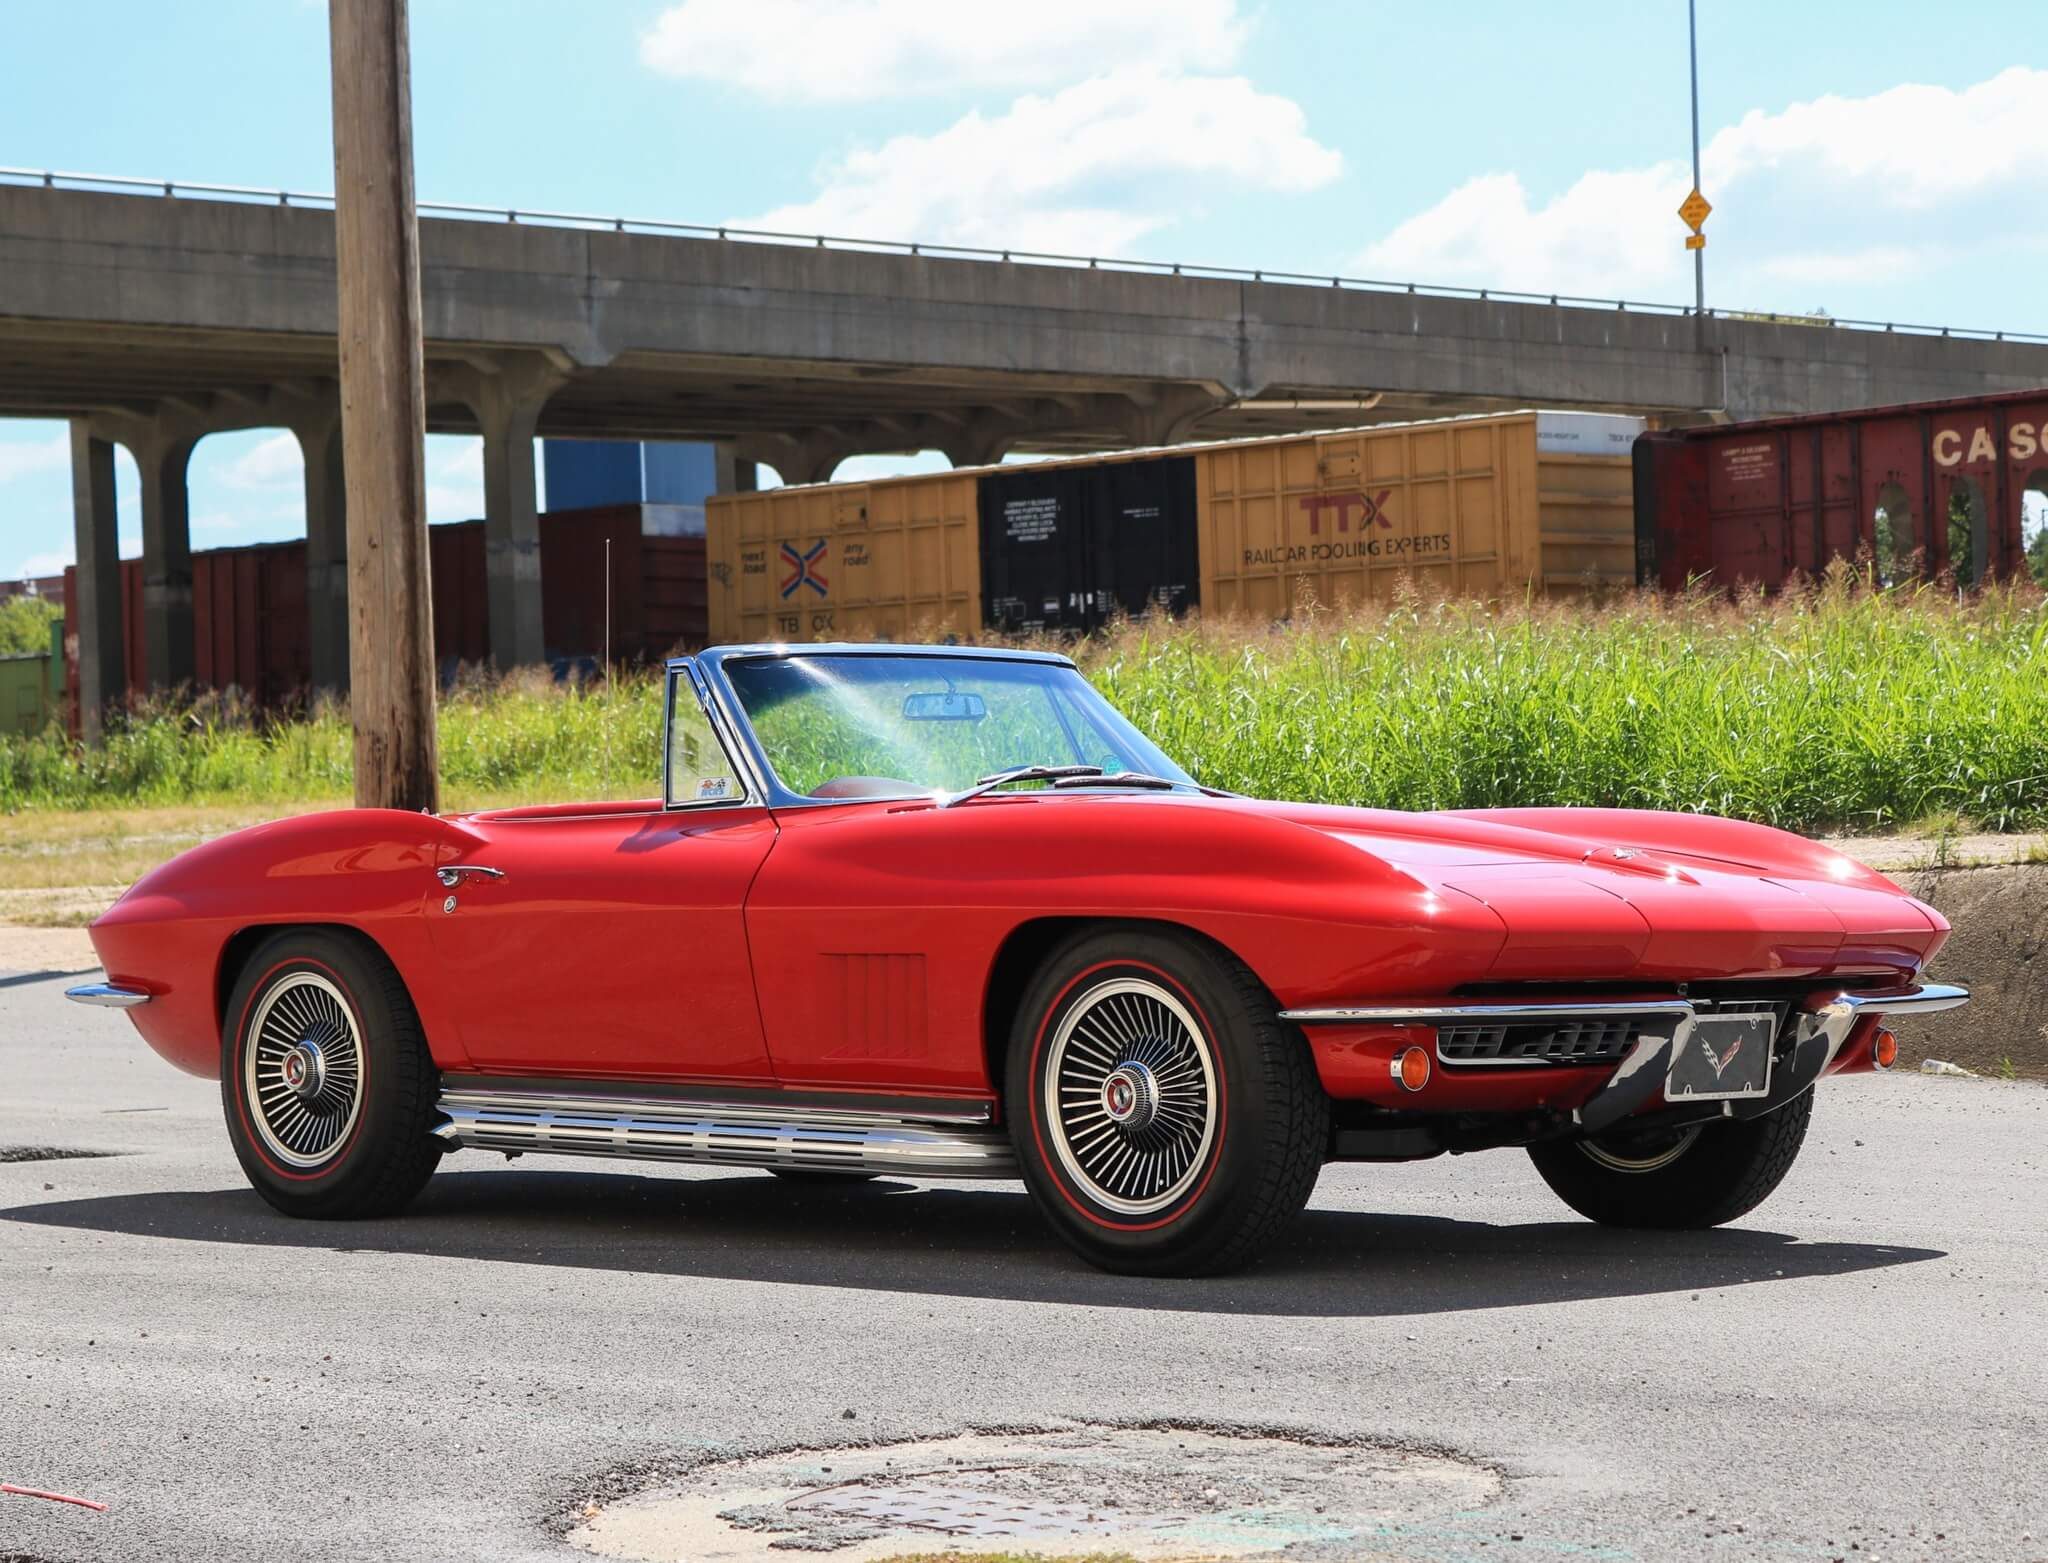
column 1166, row 1121
column 326, row 1081
column 1723, row 1172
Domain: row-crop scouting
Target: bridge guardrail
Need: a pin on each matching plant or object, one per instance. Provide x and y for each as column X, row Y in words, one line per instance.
column 319, row 201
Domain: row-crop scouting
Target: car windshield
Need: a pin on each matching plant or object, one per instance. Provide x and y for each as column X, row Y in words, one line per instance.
column 875, row 725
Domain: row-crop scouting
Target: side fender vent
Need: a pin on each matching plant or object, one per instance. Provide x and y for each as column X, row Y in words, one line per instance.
column 874, row 1006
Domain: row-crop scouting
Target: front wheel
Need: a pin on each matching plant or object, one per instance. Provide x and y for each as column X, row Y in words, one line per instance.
column 325, row 1078
column 1166, row 1120
column 1700, row 1175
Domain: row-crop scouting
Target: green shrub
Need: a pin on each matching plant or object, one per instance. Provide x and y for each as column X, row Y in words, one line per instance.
column 25, row 624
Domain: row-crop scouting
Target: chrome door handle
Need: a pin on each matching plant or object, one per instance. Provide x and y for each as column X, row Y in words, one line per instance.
column 451, row 876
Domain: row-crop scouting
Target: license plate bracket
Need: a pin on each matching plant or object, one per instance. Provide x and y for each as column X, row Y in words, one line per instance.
column 1727, row 1058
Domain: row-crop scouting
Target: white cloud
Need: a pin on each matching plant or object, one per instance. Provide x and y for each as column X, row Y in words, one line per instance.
column 447, row 503
column 457, row 461
column 873, row 469
column 1910, row 147
column 55, row 563
column 844, row 50
column 271, row 460
column 1087, row 170
column 20, row 458
column 1826, row 266
column 459, row 456
column 1839, row 190
column 1609, row 234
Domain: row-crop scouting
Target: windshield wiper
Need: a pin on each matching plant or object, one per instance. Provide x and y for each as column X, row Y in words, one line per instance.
column 1017, row 773
column 1065, row 776
column 1121, row 779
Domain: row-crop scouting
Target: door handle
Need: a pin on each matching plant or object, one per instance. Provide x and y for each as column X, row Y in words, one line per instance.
column 451, row 876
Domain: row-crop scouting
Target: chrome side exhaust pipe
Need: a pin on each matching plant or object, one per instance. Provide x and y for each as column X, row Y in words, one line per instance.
column 819, row 1139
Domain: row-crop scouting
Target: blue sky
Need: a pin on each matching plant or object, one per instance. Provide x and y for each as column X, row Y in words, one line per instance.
column 1883, row 161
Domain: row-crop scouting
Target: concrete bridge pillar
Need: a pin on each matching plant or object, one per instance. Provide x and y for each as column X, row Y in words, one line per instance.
column 732, row 473
column 811, row 457
column 1168, row 417
column 507, row 400
column 162, row 459
column 319, row 435
column 982, row 443
column 95, row 607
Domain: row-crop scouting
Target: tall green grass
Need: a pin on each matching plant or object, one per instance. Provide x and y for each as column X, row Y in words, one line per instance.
column 501, row 740
column 1828, row 709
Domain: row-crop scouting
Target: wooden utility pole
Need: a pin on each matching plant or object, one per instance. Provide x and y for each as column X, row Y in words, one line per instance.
column 383, row 407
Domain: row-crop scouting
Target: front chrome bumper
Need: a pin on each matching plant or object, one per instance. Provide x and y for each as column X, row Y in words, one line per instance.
column 1916, row 998
column 1819, row 1031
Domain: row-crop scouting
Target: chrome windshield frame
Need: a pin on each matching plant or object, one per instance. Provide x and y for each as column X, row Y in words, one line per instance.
column 710, row 666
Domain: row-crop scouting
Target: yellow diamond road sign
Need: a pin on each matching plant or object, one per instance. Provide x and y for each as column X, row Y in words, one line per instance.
column 1694, row 210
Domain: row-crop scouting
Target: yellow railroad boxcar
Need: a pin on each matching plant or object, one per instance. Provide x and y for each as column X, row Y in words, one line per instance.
column 1485, row 507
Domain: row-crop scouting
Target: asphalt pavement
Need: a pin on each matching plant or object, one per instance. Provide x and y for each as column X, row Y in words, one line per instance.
column 1858, row 1370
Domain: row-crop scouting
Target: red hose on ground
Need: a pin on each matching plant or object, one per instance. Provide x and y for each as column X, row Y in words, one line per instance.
column 54, row 1497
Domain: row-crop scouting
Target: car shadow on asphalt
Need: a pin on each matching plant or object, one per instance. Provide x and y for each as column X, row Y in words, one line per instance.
column 983, row 1241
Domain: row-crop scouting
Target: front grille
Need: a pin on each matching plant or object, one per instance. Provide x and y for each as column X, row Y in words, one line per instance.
column 1600, row 1040
column 1603, row 1039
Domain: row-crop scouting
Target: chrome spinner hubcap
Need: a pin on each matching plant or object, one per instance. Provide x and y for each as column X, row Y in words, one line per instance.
column 1131, row 1096
column 1132, row 1091
column 302, row 1071
column 305, row 1069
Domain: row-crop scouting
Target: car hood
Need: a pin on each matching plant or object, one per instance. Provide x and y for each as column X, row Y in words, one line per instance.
column 1605, row 893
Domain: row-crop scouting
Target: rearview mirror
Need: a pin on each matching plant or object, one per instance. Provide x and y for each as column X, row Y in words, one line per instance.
column 944, row 706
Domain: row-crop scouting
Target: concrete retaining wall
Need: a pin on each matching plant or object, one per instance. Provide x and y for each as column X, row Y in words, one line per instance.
column 2000, row 915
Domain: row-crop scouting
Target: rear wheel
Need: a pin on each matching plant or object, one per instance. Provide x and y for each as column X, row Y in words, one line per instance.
column 1166, row 1121
column 325, row 1078
column 1700, row 1175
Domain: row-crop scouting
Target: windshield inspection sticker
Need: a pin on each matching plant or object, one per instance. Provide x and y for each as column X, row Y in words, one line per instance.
column 713, row 787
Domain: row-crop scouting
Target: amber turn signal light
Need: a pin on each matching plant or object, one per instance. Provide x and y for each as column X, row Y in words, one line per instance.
column 1410, row 1068
column 1884, row 1050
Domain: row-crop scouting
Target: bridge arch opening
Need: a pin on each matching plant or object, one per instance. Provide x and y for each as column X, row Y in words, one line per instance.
column 2034, row 525
column 1969, row 531
column 1894, row 544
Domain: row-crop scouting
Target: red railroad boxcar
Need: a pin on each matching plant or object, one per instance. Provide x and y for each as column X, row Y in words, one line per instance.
column 1755, row 502
column 250, row 628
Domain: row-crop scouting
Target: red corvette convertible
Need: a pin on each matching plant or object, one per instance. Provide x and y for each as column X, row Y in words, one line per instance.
column 942, row 912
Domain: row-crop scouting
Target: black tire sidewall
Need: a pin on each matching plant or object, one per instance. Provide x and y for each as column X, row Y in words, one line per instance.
column 1730, row 1169
column 1210, row 1212
column 383, row 1122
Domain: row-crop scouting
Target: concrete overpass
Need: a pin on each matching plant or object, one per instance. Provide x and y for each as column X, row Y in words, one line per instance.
column 153, row 320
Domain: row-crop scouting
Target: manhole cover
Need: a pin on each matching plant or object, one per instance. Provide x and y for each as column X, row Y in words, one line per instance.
column 1152, row 1493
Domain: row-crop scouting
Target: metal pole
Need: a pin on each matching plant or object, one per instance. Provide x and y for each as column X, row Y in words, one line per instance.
column 1699, row 256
